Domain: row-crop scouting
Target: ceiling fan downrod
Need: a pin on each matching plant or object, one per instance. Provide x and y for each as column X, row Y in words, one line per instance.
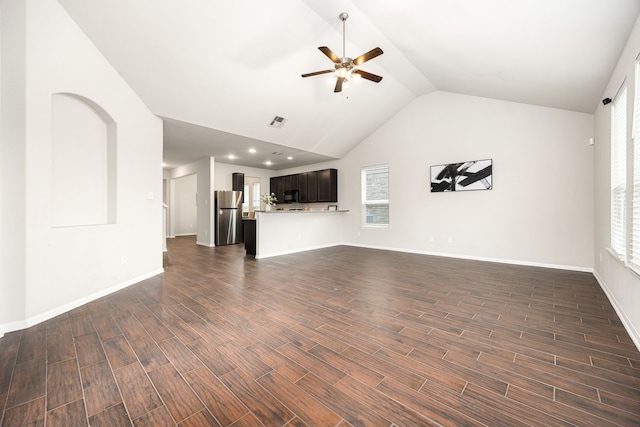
column 343, row 17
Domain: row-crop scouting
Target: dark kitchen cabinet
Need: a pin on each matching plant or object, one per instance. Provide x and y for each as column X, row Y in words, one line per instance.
column 282, row 187
column 316, row 186
column 237, row 183
column 249, row 226
column 273, row 185
column 312, row 186
column 302, row 188
column 328, row 185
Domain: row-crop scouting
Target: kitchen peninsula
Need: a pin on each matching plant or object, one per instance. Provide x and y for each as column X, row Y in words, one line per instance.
column 282, row 232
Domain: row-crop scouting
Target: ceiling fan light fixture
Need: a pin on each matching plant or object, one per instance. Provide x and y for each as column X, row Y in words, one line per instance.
column 345, row 67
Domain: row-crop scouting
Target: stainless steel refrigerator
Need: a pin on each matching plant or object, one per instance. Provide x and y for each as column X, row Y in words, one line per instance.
column 228, row 219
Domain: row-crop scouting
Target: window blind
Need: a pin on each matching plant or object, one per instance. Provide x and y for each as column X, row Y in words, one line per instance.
column 618, row 173
column 635, row 232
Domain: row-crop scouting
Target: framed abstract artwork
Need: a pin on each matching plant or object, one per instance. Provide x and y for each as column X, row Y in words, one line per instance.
column 465, row 176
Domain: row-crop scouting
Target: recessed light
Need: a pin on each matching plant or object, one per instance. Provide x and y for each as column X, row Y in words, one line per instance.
column 268, row 163
column 289, row 158
column 231, row 156
column 252, row 150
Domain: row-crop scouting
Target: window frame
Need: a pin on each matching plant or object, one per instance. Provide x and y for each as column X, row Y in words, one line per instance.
column 618, row 180
column 364, row 201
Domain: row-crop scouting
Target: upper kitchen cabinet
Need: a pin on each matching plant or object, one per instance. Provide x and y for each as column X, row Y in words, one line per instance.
column 273, row 186
column 282, row 187
column 302, row 188
column 315, row 186
column 328, row 185
column 237, row 183
column 295, row 182
column 312, row 186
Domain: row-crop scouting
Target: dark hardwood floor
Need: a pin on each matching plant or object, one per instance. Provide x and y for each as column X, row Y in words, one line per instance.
column 334, row 337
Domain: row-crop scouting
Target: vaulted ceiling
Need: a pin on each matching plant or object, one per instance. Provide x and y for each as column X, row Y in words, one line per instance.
column 218, row 71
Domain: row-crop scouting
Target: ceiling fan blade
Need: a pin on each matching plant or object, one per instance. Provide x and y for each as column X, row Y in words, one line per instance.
column 332, row 56
column 318, row 72
column 368, row 76
column 339, row 85
column 367, row 56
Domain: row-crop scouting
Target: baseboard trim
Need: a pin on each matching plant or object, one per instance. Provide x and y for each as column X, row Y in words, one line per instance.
column 184, row 234
column 626, row 322
column 49, row 314
column 475, row 258
column 208, row 245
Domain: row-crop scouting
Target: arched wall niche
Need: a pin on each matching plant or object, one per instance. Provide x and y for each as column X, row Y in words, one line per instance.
column 84, row 163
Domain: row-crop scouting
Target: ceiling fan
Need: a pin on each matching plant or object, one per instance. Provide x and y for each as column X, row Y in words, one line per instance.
column 345, row 67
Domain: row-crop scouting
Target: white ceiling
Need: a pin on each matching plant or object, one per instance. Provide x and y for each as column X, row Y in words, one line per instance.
column 219, row 71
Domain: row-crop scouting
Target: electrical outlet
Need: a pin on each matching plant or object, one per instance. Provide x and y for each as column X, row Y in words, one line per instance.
column 450, row 240
column 123, row 260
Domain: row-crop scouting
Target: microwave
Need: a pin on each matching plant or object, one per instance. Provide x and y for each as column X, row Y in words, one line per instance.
column 291, row 196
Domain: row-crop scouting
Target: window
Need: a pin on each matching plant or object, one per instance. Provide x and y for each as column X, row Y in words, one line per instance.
column 255, row 194
column 245, row 199
column 635, row 201
column 618, row 173
column 375, row 196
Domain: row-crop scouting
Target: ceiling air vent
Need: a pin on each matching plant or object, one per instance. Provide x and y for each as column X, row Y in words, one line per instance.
column 277, row 122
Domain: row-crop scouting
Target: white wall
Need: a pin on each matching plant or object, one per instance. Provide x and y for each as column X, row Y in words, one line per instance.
column 540, row 211
column 12, row 162
column 186, row 208
column 57, row 269
column 620, row 283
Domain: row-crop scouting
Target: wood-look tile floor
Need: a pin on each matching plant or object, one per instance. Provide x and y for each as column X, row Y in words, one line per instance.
column 339, row 336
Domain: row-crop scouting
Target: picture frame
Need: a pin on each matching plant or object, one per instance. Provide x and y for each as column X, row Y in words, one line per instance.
column 463, row 176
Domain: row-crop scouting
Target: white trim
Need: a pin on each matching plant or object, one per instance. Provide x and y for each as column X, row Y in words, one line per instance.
column 374, row 226
column 626, row 322
column 440, row 254
column 212, row 245
column 27, row 323
column 476, row 258
column 184, row 234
